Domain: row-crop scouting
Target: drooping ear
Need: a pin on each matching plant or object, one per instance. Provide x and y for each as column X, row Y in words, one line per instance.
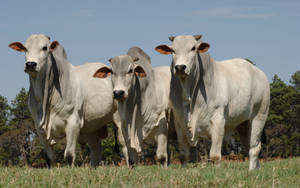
column 203, row 47
column 53, row 45
column 139, row 71
column 17, row 46
column 103, row 72
column 164, row 49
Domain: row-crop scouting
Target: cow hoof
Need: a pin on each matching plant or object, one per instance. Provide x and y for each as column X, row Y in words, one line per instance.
column 69, row 160
column 163, row 162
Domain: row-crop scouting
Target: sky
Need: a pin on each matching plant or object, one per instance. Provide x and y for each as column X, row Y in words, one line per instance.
column 265, row 31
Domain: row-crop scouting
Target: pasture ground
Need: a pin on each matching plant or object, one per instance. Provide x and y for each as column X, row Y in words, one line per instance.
column 277, row 173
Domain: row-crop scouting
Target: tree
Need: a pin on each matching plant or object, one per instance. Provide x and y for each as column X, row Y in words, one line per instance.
column 4, row 113
column 282, row 126
column 19, row 108
column 295, row 80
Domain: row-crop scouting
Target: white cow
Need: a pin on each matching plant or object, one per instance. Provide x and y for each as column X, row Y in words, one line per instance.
column 211, row 99
column 65, row 100
column 142, row 95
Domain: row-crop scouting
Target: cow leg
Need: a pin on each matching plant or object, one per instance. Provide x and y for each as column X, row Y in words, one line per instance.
column 217, row 128
column 50, row 158
column 257, row 126
column 72, row 134
column 94, row 143
column 124, row 147
column 121, row 138
column 184, row 147
column 162, row 143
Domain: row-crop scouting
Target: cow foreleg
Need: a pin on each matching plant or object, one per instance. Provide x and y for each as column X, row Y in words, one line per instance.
column 162, row 143
column 50, row 158
column 121, row 139
column 184, row 147
column 72, row 134
column 217, row 128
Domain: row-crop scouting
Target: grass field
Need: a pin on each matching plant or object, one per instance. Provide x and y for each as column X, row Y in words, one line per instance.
column 277, row 173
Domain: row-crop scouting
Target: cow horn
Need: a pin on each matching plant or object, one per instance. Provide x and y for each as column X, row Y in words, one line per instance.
column 134, row 58
column 197, row 37
column 171, row 38
column 48, row 37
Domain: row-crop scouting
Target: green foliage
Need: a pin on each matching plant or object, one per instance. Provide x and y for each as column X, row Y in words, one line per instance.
column 283, row 123
column 4, row 113
column 295, row 80
column 19, row 107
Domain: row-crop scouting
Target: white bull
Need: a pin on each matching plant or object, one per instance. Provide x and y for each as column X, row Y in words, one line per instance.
column 65, row 100
column 211, row 99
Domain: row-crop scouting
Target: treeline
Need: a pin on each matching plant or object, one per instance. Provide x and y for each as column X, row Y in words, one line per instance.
column 19, row 144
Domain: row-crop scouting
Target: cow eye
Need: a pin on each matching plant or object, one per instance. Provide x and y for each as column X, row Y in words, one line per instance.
column 130, row 71
column 44, row 48
column 193, row 49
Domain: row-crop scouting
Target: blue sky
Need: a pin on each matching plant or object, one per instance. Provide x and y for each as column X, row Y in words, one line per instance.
column 265, row 31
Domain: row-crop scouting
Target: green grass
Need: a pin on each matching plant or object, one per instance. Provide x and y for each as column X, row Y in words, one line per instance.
column 278, row 173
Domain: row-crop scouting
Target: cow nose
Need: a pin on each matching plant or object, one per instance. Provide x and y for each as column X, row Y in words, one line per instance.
column 31, row 65
column 118, row 94
column 180, row 68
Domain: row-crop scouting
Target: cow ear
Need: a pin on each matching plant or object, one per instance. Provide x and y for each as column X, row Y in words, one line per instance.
column 203, row 47
column 164, row 49
column 139, row 71
column 53, row 45
column 103, row 72
column 17, row 46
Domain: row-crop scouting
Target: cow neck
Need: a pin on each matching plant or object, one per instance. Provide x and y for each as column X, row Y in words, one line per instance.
column 52, row 80
column 61, row 76
column 196, row 90
column 203, row 84
column 148, row 97
column 130, row 113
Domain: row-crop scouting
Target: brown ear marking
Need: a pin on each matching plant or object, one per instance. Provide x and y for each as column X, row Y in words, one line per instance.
column 102, row 72
column 17, row 46
column 139, row 71
column 164, row 49
column 53, row 45
column 203, row 47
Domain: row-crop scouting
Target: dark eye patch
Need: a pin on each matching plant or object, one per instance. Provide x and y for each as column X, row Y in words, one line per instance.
column 130, row 71
column 193, row 49
column 44, row 48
